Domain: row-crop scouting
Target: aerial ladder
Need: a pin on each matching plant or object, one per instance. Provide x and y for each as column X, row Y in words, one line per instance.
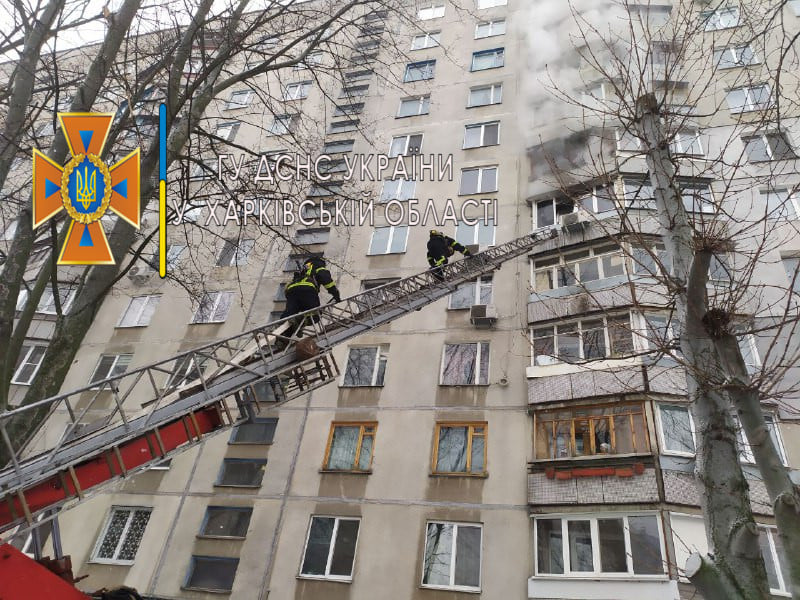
column 128, row 423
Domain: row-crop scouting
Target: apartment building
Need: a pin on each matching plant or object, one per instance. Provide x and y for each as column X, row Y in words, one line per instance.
column 545, row 453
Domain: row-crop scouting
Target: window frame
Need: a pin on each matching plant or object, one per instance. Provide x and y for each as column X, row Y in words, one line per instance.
column 239, row 250
column 218, row 482
column 282, row 124
column 406, row 151
column 593, row 519
column 783, row 578
column 218, row 295
column 492, row 87
column 211, row 536
column 362, row 433
column 427, row 68
column 427, row 37
column 193, row 565
column 492, row 24
column 480, row 180
column 484, row 4
column 299, row 90
column 663, row 435
column 434, row 8
column 577, row 329
column 230, row 104
column 736, row 52
column 471, row 426
column 231, row 126
column 386, row 196
column 499, row 54
column 23, row 361
column 596, row 254
column 148, row 298
column 791, row 201
column 478, row 285
column 478, row 366
column 482, row 137
column 766, row 137
column 706, row 17
column 453, row 557
column 381, row 355
column 94, row 382
column 750, row 105
column 423, row 106
column 331, row 549
column 233, row 441
column 476, row 229
column 93, row 558
column 393, row 229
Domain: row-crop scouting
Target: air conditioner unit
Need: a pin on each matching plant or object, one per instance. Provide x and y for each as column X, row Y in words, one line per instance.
column 483, row 315
column 139, row 273
column 574, row 221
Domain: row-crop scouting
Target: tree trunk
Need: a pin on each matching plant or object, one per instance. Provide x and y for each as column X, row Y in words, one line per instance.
column 730, row 526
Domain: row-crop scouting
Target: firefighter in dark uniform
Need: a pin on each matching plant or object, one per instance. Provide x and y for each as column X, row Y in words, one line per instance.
column 303, row 292
column 440, row 248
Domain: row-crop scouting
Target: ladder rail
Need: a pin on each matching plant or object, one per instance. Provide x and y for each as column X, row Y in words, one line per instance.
column 240, row 362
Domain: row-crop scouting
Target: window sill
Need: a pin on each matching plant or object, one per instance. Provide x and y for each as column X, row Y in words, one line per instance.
column 471, row 475
column 344, row 472
column 600, row 577
column 450, row 588
column 326, row 578
column 219, row 537
column 483, row 105
column 207, row 590
column 590, row 457
column 455, row 385
column 462, row 194
column 119, row 563
column 238, row 486
column 130, row 326
column 250, row 443
column 482, row 146
column 486, row 69
column 350, row 387
column 411, row 116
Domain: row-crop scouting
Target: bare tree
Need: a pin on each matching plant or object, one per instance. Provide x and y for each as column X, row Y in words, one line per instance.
column 635, row 100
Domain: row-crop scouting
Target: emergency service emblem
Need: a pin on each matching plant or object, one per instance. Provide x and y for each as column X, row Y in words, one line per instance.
column 86, row 188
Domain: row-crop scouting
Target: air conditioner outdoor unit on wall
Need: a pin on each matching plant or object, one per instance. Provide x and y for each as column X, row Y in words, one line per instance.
column 483, row 315
column 575, row 221
column 139, row 273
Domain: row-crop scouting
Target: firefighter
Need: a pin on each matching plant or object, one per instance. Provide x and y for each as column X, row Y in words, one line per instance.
column 440, row 248
column 302, row 293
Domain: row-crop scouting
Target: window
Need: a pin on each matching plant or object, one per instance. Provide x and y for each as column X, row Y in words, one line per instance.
column 212, row 573
column 203, row 169
column 47, row 303
column 590, row 431
column 650, row 260
column 241, row 472
column 419, row 105
column 482, row 134
column 239, row 99
column 281, row 125
column 425, row 40
column 187, row 368
column 687, row 141
column 735, row 56
column 174, row 252
column 313, row 236
column 746, row 452
column 110, row 365
column 465, row 364
column 477, row 291
column 226, row 522
column 344, row 110
column 485, row 94
column 234, row 253
column 460, row 448
column 721, row 18
column 366, row 366
column 268, row 42
column 330, row 548
column 452, row 557
column 790, row 265
column 478, row 181
column 354, row 91
column 419, row 71
column 775, row 559
column 778, row 203
column 488, row 59
column 227, row 131
column 350, row 447
column 28, row 363
column 296, row 91
column 11, row 228
column 697, row 197
column 360, row 75
column 576, row 268
column 313, row 58
column 338, row 146
column 639, row 193
column 490, row 28
column 547, row 212
column 490, row 3
column 795, row 6
column 405, row 145
column 432, row 11
column 139, row 311
column 749, row 98
column 398, row 189
column 629, row 544
column 652, row 15
column 587, row 339
column 258, row 431
column 482, row 233
column 214, row 307
column 627, row 141
column 388, row 240
column 677, row 429
column 767, row 146
column 343, row 126
column 121, row 535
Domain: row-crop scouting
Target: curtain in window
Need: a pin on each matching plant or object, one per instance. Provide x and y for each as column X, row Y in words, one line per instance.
column 343, row 448
column 452, row 453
